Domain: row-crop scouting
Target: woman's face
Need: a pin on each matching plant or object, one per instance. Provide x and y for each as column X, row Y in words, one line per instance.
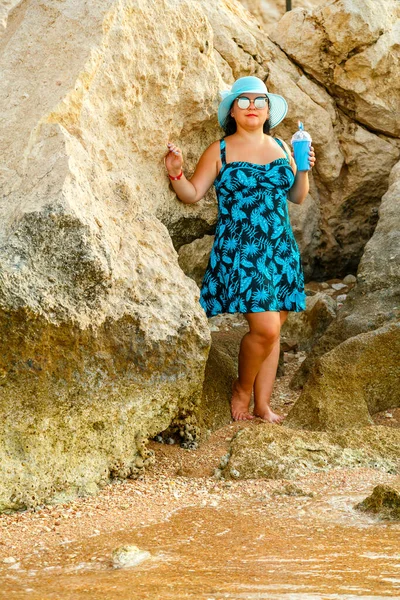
column 250, row 117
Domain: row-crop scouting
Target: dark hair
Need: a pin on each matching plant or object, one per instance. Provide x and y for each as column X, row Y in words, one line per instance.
column 229, row 125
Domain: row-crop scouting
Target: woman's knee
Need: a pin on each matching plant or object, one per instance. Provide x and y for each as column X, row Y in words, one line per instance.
column 266, row 332
column 268, row 335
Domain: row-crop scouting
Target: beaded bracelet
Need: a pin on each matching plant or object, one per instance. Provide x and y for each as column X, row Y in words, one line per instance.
column 175, row 178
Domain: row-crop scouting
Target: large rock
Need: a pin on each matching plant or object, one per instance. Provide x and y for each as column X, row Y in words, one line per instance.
column 352, row 48
column 122, row 82
column 221, row 370
column 305, row 328
column 355, row 380
column 271, row 452
column 103, row 342
column 375, row 300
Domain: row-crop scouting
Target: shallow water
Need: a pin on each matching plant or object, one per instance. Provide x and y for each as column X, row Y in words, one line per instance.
column 285, row 548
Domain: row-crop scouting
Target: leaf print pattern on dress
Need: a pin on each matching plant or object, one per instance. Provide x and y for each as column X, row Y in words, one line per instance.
column 254, row 264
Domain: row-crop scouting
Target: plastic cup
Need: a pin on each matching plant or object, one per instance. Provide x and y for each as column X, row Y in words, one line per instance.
column 301, row 149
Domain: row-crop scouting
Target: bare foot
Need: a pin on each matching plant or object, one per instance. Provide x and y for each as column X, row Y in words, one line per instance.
column 240, row 403
column 267, row 414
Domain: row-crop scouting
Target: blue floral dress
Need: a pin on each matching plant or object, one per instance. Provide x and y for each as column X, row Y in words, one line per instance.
column 255, row 263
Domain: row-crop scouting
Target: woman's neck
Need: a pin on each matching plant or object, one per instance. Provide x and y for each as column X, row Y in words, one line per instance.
column 257, row 136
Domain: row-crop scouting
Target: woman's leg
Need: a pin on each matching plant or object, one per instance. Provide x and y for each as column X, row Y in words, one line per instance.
column 255, row 346
column 264, row 382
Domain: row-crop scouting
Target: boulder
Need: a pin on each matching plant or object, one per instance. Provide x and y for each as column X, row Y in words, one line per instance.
column 349, row 50
column 351, row 47
column 383, row 502
column 375, row 298
column 103, row 341
column 347, row 184
column 111, row 87
column 355, row 380
column 270, row 452
column 221, row 370
column 306, row 327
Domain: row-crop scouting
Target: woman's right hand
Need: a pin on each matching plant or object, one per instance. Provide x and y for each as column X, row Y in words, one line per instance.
column 173, row 160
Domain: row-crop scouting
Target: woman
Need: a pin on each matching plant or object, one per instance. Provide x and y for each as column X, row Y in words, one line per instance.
column 254, row 266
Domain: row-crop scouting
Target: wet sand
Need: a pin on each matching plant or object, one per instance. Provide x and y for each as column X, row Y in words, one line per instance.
column 209, row 540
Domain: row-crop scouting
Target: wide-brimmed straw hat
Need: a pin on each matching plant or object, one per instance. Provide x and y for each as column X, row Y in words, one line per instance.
column 252, row 85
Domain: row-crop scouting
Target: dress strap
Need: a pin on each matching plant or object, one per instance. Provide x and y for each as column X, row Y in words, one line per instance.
column 222, row 151
column 280, row 143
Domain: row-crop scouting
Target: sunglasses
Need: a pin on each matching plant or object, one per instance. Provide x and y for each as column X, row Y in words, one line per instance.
column 260, row 102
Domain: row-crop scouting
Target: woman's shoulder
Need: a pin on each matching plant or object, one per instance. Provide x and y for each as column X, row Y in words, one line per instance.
column 230, row 138
column 286, row 148
column 282, row 143
column 216, row 145
column 213, row 149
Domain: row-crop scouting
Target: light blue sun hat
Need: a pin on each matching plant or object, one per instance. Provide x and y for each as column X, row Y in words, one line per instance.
column 252, row 85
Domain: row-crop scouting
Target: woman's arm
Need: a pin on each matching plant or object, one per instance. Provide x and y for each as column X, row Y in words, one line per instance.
column 301, row 186
column 192, row 190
